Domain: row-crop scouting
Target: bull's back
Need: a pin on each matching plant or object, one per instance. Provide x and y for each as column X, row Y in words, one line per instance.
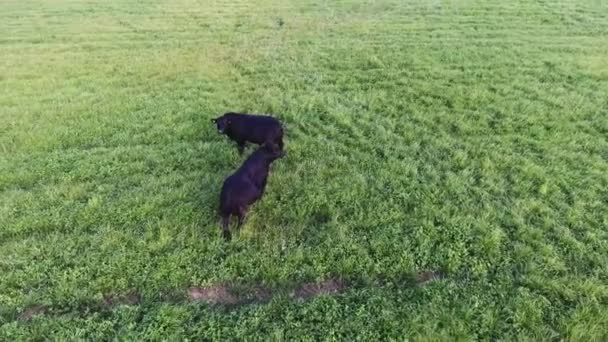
column 237, row 191
column 257, row 129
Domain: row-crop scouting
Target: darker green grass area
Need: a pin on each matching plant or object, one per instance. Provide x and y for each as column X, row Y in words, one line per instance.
column 468, row 138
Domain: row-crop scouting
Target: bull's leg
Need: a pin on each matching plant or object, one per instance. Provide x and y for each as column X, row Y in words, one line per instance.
column 226, row 227
column 241, row 146
column 241, row 216
column 279, row 142
column 272, row 145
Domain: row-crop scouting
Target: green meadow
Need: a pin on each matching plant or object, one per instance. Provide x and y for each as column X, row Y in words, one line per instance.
column 446, row 175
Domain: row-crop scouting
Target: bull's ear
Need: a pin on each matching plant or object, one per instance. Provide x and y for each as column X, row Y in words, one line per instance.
column 214, row 120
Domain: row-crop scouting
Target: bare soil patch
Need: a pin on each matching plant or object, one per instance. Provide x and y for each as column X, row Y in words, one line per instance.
column 310, row 290
column 426, row 277
column 33, row 311
column 214, row 294
column 112, row 300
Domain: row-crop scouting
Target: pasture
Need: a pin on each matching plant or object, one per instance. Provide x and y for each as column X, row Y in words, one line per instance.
column 446, row 173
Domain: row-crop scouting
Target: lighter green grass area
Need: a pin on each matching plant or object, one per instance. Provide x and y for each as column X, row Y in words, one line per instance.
column 469, row 137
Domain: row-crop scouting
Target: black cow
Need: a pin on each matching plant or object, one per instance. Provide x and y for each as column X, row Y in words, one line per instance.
column 257, row 129
column 246, row 186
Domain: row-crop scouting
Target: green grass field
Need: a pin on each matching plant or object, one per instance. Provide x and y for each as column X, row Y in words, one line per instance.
column 465, row 140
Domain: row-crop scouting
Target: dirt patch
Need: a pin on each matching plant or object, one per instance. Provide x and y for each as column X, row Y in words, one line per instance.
column 226, row 295
column 220, row 294
column 33, row 311
column 426, row 277
column 216, row 294
column 261, row 294
column 309, row 290
column 131, row 298
column 171, row 296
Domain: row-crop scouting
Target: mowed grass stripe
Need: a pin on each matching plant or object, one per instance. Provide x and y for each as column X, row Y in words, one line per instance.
column 461, row 138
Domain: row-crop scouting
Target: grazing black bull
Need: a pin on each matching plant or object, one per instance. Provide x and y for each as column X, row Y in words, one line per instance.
column 257, row 129
column 246, row 186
